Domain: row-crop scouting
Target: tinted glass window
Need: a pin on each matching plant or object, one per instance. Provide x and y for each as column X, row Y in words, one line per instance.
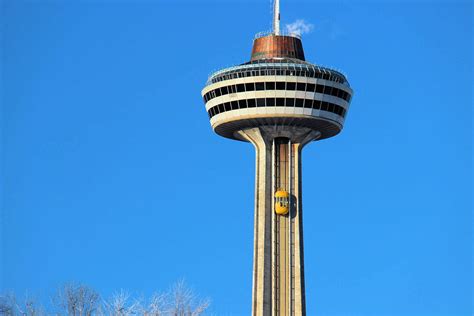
column 290, row 86
column 290, row 102
column 299, row 103
column 310, row 87
column 343, row 94
column 319, row 88
column 242, row 104
column 261, row 102
column 270, row 86
column 250, row 86
column 224, row 91
column 241, row 87
column 251, row 103
column 317, row 105
column 280, row 85
column 217, row 92
column 340, row 93
column 331, row 107
column 280, row 102
column 324, row 106
column 327, row 90
column 301, row 86
column 308, row 103
column 227, row 106
column 260, row 86
column 220, row 108
column 335, row 92
column 270, row 102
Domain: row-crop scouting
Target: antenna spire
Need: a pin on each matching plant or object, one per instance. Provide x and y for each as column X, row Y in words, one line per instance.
column 276, row 17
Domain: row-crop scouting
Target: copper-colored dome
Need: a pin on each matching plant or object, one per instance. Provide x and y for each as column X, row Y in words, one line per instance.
column 276, row 46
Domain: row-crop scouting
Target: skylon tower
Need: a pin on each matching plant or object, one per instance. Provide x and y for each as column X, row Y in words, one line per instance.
column 278, row 102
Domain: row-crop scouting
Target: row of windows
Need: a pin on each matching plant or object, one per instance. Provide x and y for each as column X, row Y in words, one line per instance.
column 279, row 85
column 287, row 102
column 276, row 71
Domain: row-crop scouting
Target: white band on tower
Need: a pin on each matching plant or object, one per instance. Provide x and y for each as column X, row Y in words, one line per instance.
column 276, row 17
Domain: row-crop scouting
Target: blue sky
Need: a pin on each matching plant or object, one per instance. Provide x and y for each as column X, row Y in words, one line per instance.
column 112, row 176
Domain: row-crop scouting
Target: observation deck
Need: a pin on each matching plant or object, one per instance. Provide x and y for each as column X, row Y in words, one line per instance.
column 277, row 87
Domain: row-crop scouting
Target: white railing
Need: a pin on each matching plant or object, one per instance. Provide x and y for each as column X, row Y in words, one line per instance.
column 282, row 33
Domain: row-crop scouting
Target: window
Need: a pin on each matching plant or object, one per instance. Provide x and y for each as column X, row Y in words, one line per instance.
column 335, row 91
column 280, row 85
column 340, row 93
column 324, row 106
column 270, row 86
column 317, row 105
column 242, row 104
column 234, row 105
column 331, row 107
column 310, row 87
column 260, row 102
column 299, row 103
column 345, row 95
column 220, row 108
column 217, row 92
column 291, row 86
column 250, row 86
column 280, row 102
column 259, row 86
column 224, row 91
column 227, row 106
column 328, row 90
column 290, row 102
column 251, row 103
column 308, row 103
column 319, row 88
column 240, row 87
column 271, row 102
column 301, row 86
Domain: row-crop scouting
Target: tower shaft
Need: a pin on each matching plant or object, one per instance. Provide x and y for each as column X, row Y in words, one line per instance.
column 278, row 271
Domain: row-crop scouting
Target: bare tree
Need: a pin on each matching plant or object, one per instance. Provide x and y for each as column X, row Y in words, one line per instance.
column 185, row 302
column 9, row 306
column 80, row 300
column 76, row 300
column 120, row 304
column 156, row 306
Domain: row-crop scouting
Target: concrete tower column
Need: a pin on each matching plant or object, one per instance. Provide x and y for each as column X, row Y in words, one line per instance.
column 278, row 271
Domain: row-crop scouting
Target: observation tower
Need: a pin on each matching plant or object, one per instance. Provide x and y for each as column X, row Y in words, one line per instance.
column 278, row 102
